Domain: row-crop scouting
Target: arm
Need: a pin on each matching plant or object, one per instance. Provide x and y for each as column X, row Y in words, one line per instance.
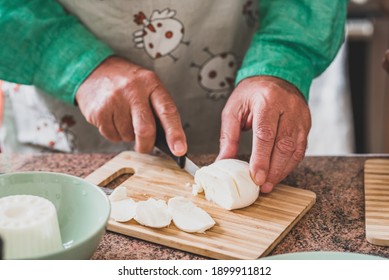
column 45, row 46
column 295, row 42
column 52, row 50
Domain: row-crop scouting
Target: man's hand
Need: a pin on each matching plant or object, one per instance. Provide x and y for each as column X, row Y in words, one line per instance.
column 119, row 99
column 280, row 119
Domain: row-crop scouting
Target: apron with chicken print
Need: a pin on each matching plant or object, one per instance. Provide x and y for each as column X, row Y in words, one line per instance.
column 194, row 46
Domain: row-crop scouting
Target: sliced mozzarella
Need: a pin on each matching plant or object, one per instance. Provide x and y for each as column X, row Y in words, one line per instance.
column 227, row 183
column 188, row 217
column 123, row 210
column 118, row 193
column 153, row 213
column 197, row 189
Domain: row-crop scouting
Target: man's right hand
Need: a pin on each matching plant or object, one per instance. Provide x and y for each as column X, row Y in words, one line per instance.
column 119, row 99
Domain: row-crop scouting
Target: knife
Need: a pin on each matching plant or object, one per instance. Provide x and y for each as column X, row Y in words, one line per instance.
column 183, row 161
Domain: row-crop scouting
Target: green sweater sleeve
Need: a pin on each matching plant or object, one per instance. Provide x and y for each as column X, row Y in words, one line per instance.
column 45, row 46
column 296, row 40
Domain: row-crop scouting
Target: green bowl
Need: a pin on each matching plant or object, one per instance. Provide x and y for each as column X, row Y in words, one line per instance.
column 82, row 208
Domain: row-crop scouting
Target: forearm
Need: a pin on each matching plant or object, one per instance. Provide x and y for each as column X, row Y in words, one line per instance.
column 296, row 40
column 46, row 47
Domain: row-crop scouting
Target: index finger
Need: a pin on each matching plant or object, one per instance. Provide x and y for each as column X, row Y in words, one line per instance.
column 144, row 126
column 265, row 123
column 167, row 112
column 229, row 134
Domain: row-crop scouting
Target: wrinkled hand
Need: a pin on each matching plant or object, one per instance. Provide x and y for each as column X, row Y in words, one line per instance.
column 119, row 98
column 280, row 119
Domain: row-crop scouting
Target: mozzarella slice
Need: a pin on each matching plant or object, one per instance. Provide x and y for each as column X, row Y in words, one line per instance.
column 123, row 210
column 153, row 213
column 227, row 183
column 118, row 193
column 188, row 217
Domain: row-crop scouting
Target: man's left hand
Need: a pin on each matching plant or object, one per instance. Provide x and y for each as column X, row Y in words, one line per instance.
column 280, row 119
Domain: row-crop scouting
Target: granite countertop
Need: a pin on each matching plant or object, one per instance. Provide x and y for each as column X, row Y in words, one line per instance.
column 334, row 223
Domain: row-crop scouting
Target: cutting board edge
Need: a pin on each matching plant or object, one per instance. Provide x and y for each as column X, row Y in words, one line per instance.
column 195, row 249
column 377, row 241
column 290, row 227
column 371, row 237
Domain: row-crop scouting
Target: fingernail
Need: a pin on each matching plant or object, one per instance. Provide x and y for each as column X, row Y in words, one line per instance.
column 179, row 147
column 267, row 187
column 260, row 177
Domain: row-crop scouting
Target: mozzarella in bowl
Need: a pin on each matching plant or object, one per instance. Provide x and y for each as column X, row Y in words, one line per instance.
column 28, row 226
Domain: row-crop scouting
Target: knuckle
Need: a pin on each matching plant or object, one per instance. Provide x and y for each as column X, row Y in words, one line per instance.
column 144, row 131
column 148, row 75
column 168, row 109
column 226, row 113
column 286, row 145
column 126, row 134
column 108, row 134
column 265, row 133
column 299, row 154
column 118, row 93
column 95, row 116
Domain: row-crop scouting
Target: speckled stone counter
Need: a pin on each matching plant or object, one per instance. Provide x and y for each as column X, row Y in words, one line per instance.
column 335, row 222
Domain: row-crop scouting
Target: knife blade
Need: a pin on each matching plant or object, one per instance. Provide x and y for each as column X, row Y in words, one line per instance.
column 183, row 161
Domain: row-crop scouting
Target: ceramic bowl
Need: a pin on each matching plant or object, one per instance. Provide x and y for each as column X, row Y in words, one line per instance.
column 82, row 208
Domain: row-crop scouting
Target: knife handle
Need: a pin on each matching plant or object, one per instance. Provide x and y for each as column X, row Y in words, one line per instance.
column 160, row 143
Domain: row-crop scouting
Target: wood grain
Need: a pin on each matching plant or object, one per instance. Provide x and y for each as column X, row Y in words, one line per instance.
column 246, row 233
column 377, row 201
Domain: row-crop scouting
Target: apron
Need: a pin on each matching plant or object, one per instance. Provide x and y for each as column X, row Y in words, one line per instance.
column 195, row 47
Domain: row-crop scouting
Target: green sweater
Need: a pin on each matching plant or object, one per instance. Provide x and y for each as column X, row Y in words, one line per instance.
column 44, row 46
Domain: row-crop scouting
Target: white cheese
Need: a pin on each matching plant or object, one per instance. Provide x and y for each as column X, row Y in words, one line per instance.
column 153, row 213
column 122, row 207
column 188, row 217
column 123, row 210
column 28, row 226
column 118, row 193
column 227, row 183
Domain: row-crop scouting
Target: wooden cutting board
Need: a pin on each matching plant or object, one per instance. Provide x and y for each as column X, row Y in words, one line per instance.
column 377, row 201
column 246, row 233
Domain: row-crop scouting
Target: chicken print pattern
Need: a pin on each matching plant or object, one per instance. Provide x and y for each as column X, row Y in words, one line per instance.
column 53, row 134
column 161, row 34
column 217, row 74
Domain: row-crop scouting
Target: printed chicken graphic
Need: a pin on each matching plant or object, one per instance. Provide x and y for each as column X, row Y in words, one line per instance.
column 161, row 33
column 50, row 133
column 217, row 74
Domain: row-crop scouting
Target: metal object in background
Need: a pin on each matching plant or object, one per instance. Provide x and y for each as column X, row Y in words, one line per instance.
column 359, row 29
